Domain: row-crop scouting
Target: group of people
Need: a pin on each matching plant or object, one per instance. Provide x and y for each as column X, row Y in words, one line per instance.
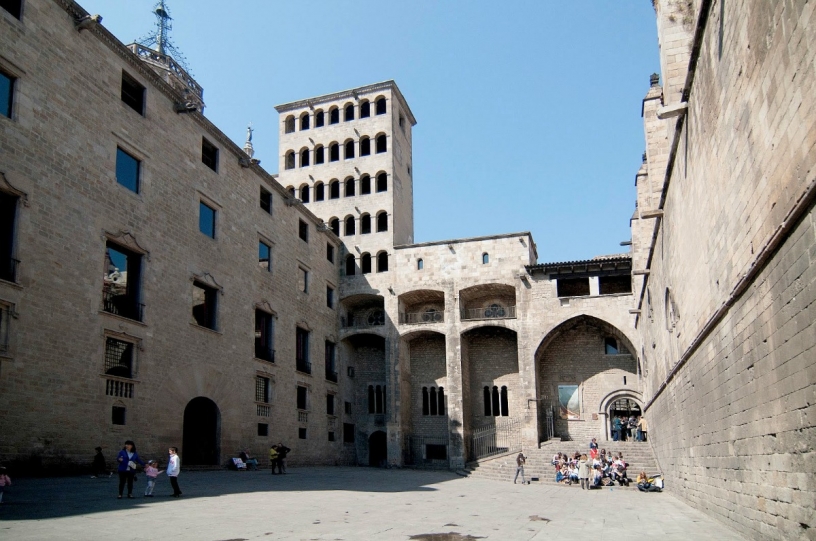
column 277, row 458
column 594, row 471
column 622, row 428
column 128, row 463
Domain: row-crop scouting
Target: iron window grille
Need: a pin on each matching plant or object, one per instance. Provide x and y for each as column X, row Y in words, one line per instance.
column 118, row 358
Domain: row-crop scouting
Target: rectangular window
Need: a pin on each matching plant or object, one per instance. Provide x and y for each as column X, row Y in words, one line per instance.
column 118, row 358
column 209, row 154
column 331, row 436
column 266, row 200
column 347, row 406
column 6, row 94
column 8, row 235
column 301, row 433
column 329, row 404
column 262, row 389
column 302, row 363
column 303, row 231
column 264, row 336
column 118, row 415
column 127, row 170
column 263, row 430
column 569, row 402
column 206, row 219
column 205, row 301
column 5, row 323
column 303, row 280
column 331, row 369
column 572, row 287
column 436, row 452
column 610, row 285
column 14, row 7
column 348, row 433
column 121, row 282
column 133, row 93
column 264, row 256
column 302, row 394
column 330, row 296
column 330, row 253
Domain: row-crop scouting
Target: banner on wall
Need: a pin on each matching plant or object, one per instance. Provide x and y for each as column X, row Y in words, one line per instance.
column 569, row 402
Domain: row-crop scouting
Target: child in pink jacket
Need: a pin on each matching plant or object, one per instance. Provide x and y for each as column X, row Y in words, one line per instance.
column 4, row 482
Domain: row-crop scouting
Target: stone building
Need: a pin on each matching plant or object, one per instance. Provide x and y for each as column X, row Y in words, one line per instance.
column 132, row 304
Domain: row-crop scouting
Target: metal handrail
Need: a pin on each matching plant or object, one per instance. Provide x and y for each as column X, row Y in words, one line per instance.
column 264, row 353
column 331, row 375
column 414, row 318
column 360, row 322
column 303, row 366
column 489, row 312
column 122, row 305
column 167, row 62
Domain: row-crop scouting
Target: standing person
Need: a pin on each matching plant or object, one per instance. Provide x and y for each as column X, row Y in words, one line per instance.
column 173, row 470
column 593, row 449
column 5, row 481
column 128, row 459
column 282, row 452
column 631, row 426
column 100, row 467
column 583, row 471
column 151, row 471
column 616, row 429
column 273, row 458
column 641, row 428
column 520, row 460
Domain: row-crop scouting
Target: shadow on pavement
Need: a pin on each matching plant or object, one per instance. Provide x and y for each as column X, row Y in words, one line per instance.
column 43, row 498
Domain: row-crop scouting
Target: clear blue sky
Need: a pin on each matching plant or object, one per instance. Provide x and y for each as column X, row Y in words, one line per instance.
column 528, row 111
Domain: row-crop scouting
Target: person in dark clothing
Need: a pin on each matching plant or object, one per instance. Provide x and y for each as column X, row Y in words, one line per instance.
column 282, row 452
column 100, row 467
column 128, row 459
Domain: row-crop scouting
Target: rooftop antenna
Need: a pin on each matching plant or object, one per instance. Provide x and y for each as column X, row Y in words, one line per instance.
column 159, row 40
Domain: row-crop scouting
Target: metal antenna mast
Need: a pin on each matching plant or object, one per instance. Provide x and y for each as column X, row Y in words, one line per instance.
column 159, row 40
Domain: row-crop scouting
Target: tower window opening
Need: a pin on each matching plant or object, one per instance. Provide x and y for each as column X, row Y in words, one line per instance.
column 382, row 144
column 350, row 223
column 334, row 152
column 349, row 150
column 381, row 106
column 365, row 263
column 382, row 262
column 365, row 224
column 319, row 191
column 289, row 124
column 349, row 112
column 382, row 222
column 382, row 182
column 334, row 225
column 365, row 185
column 319, row 155
column 334, row 115
column 365, row 109
column 304, row 157
column 351, row 267
column 290, row 160
column 334, row 189
column 304, row 193
column 365, row 146
column 304, row 121
column 319, row 119
column 349, row 187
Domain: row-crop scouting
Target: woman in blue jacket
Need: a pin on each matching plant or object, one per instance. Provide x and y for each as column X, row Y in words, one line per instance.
column 128, row 458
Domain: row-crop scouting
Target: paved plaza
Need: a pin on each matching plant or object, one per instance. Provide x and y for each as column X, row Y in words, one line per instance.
column 342, row 503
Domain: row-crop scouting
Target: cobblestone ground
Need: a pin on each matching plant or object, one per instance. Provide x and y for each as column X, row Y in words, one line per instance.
column 342, row 503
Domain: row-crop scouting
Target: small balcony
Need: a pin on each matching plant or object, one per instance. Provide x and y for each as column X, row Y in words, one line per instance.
column 303, row 366
column 494, row 311
column 263, row 410
column 303, row 417
column 418, row 318
column 8, row 269
column 331, row 375
column 375, row 318
column 264, row 353
column 122, row 305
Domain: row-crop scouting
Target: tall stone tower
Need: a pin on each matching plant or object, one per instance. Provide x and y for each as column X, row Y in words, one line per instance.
column 347, row 156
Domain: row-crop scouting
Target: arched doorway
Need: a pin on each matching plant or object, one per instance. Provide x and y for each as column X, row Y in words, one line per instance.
column 622, row 407
column 377, row 449
column 202, row 432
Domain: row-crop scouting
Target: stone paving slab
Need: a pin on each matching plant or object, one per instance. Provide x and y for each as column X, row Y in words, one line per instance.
column 342, row 504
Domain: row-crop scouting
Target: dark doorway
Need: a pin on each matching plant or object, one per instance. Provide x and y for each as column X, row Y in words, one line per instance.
column 377, row 450
column 202, row 433
column 623, row 408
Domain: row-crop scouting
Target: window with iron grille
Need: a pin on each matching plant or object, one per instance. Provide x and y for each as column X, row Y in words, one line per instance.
column 262, row 389
column 118, row 358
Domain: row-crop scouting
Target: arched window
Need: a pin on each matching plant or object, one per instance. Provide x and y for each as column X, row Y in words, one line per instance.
column 371, row 399
column 485, row 258
column 351, row 268
column 349, row 150
column 496, row 406
column 365, row 109
column 319, row 155
column 488, row 411
column 504, row 407
column 365, row 224
column 350, row 225
column 365, row 146
column 304, row 121
column 380, row 106
column 289, row 124
column 349, row 112
column 334, row 225
column 290, row 160
column 319, row 119
column 334, row 152
column 334, row 115
column 304, row 193
column 319, row 191
column 440, row 396
column 420, row 264
column 291, row 190
column 349, row 187
column 304, row 157
column 382, row 262
column 425, row 404
column 334, row 189
column 382, row 222
column 610, row 346
column 365, row 185
column 365, row 263
column 382, row 144
column 382, row 182
column 433, row 403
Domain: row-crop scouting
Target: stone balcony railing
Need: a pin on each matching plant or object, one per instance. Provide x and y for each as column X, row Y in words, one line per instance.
column 417, row 318
column 493, row 311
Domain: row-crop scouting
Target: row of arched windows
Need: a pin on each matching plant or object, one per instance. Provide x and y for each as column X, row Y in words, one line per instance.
column 495, row 402
column 380, row 147
column 365, row 263
column 376, row 399
column 433, row 401
column 349, row 188
column 350, row 223
column 333, row 114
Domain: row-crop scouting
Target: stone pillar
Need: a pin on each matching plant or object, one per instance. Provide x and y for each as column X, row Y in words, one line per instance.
column 457, row 436
column 594, row 286
column 394, row 399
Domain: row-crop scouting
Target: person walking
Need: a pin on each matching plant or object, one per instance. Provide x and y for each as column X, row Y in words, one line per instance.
column 99, row 467
column 273, row 458
column 173, row 470
column 128, row 459
column 282, row 452
column 583, row 472
column 520, row 461
column 5, row 481
column 151, row 471
column 641, row 429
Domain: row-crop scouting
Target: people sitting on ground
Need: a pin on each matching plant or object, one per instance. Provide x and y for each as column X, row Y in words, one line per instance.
column 646, row 483
column 556, row 459
column 251, row 463
column 597, row 478
column 561, row 476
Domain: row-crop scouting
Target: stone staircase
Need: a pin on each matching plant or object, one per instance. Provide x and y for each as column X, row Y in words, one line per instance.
column 503, row 468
